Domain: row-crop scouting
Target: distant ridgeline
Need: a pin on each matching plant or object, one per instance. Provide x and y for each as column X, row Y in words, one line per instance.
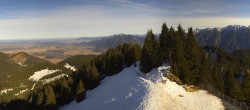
column 229, row 38
column 113, row 41
column 194, row 65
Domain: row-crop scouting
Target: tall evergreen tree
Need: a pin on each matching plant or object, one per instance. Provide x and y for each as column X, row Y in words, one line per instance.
column 179, row 63
column 246, row 87
column 134, row 54
column 181, row 33
column 232, row 87
column 39, row 98
column 80, row 92
column 163, row 40
column 192, row 56
column 149, row 56
column 50, row 96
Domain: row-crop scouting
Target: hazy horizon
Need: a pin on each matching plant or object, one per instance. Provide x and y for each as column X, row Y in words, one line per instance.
column 55, row 19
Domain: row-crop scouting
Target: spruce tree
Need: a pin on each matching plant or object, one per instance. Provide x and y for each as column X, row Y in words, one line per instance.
column 163, row 40
column 50, row 96
column 134, row 54
column 179, row 63
column 246, row 86
column 39, row 98
column 94, row 76
column 149, row 56
column 232, row 87
column 80, row 92
column 192, row 56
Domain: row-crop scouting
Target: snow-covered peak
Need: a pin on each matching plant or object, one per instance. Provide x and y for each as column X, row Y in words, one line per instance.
column 132, row 90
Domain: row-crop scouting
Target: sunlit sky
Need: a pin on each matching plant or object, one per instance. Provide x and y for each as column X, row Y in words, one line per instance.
column 36, row 19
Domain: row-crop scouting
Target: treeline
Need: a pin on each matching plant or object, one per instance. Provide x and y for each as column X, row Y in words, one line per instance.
column 114, row 60
column 175, row 47
column 58, row 93
column 196, row 65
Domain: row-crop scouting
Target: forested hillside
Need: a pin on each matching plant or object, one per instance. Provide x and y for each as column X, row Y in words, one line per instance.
column 74, row 86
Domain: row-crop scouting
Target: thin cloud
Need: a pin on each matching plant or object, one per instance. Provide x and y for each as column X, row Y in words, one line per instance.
column 98, row 18
column 126, row 3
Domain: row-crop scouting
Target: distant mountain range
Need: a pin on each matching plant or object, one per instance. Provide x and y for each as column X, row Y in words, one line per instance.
column 229, row 38
column 114, row 40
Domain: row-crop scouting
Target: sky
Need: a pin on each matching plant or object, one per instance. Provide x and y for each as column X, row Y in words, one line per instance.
column 52, row 19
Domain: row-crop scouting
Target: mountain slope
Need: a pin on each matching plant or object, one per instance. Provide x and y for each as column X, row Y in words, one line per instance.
column 113, row 41
column 23, row 72
column 24, row 59
column 132, row 90
column 229, row 38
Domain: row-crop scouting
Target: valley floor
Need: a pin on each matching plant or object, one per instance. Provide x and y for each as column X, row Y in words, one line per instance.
column 131, row 90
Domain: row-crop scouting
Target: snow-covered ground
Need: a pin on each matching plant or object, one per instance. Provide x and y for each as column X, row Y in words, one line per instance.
column 5, row 91
column 132, row 90
column 20, row 92
column 45, row 81
column 40, row 74
column 70, row 67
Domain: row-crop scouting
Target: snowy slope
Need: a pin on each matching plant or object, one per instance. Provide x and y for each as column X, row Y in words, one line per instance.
column 131, row 90
column 40, row 74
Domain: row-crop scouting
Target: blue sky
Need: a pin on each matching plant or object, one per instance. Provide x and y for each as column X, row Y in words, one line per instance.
column 35, row 19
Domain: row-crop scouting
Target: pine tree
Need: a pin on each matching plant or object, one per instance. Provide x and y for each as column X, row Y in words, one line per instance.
column 246, row 87
column 80, row 92
column 64, row 92
column 163, row 40
column 192, row 56
column 39, row 98
column 149, row 56
column 205, row 70
column 179, row 62
column 232, row 87
column 94, row 76
column 50, row 96
column 181, row 32
column 133, row 54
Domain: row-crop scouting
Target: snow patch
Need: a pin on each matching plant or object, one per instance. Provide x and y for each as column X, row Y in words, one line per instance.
column 40, row 74
column 5, row 91
column 20, row 92
column 45, row 81
column 132, row 90
column 156, row 75
column 33, row 86
column 70, row 67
